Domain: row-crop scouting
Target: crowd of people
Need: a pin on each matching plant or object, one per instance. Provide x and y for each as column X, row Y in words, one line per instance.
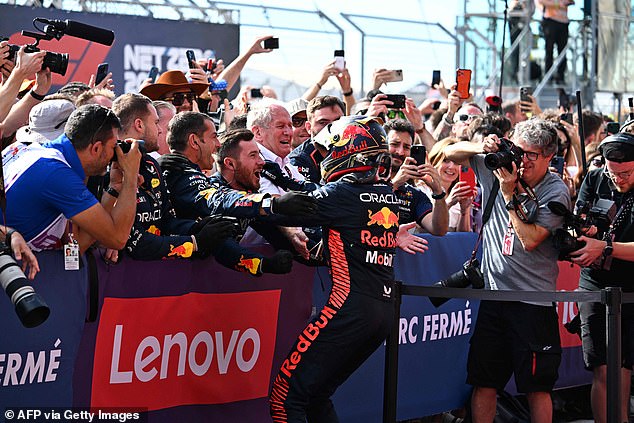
column 179, row 171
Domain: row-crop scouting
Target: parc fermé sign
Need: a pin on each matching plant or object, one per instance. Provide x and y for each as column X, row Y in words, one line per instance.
column 191, row 349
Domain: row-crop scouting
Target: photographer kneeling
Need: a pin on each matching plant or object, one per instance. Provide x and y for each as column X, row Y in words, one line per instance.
column 516, row 337
column 608, row 260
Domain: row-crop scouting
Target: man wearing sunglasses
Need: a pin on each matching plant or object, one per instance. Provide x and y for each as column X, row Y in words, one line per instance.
column 517, row 338
column 607, row 259
column 173, row 87
column 320, row 112
column 297, row 110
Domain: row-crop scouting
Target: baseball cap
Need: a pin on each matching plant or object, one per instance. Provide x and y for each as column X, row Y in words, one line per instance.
column 46, row 121
column 296, row 106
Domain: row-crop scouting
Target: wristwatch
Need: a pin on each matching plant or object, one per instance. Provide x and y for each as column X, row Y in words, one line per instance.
column 438, row 196
column 267, row 205
column 607, row 251
column 510, row 205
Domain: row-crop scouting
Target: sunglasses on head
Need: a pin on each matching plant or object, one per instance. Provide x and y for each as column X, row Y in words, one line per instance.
column 179, row 98
column 298, row 121
column 465, row 117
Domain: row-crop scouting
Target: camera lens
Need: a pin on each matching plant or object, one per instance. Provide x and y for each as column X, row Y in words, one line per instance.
column 56, row 62
column 29, row 306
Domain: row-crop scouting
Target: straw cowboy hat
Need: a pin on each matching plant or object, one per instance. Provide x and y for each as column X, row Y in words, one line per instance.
column 170, row 81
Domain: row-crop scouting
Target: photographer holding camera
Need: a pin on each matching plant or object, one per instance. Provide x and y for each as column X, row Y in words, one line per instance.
column 608, row 260
column 516, row 337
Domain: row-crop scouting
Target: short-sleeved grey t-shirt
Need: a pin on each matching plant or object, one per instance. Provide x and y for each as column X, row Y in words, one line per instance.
column 536, row 270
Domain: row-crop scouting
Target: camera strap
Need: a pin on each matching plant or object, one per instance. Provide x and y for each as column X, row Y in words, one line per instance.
column 486, row 214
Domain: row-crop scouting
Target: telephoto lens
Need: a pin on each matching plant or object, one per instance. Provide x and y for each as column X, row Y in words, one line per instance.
column 29, row 306
column 470, row 274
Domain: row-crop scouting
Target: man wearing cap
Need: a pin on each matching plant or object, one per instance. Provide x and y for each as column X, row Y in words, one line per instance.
column 173, row 87
column 297, row 110
column 46, row 121
column 607, row 259
column 320, row 112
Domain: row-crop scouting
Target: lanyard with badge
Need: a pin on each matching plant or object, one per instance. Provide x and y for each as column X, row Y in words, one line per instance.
column 518, row 205
column 71, row 250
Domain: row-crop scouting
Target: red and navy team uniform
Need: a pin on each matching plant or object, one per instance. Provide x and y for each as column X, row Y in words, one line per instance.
column 360, row 223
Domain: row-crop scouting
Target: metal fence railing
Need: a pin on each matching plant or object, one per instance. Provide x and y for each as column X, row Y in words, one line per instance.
column 611, row 297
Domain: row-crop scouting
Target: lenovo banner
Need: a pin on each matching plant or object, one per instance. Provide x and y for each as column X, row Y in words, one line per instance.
column 140, row 43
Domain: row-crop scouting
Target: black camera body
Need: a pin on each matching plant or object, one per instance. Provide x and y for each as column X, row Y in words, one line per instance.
column 56, row 62
column 29, row 306
column 126, row 146
column 600, row 214
column 470, row 274
column 507, row 154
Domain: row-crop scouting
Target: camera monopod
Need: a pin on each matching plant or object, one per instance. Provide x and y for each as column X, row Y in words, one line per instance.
column 506, row 9
column 582, row 136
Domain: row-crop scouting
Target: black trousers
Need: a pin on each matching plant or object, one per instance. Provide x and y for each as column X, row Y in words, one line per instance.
column 555, row 33
column 326, row 353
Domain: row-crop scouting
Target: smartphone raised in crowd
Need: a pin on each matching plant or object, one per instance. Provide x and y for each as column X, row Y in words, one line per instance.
column 558, row 163
column 468, row 176
column 102, row 72
column 211, row 64
column 339, row 60
column 191, row 59
column 418, row 153
column 271, row 43
column 463, row 82
column 395, row 75
column 397, row 99
column 152, row 74
column 256, row 93
column 566, row 117
column 525, row 92
column 435, row 78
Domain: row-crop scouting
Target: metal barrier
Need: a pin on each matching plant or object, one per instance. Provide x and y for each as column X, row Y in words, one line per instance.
column 611, row 297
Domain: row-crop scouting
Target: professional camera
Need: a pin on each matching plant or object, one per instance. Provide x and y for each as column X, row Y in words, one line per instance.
column 126, row 146
column 507, row 154
column 601, row 215
column 470, row 274
column 29, row 306
column 56, row 62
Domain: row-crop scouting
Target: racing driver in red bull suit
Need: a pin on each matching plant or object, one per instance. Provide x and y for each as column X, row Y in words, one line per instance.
column 358, row 213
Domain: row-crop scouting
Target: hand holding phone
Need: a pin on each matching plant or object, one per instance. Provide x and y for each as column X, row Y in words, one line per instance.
column 558, row 163
column 467, row 175
column 419, row 153
column 191, row 59
column 525, row 93
column 339, row 60
column 256, row 93
column 153, row 74
column 463, row 82
column 398, row 101
column 271, row 43
column 395, row 75
column 211, row 65
column 435, row 78
column 102, row 72
column 566, row 117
